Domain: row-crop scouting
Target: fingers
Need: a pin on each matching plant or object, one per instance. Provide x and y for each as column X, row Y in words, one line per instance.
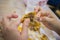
column 6, row 19
column 48, row 22
column 37, row 17
column 12, row 16
column 42, row 12
column 37, row 9
column 46, row 19
column 14, row 21
column 24, row 32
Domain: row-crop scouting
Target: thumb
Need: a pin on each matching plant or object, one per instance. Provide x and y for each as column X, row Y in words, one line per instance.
column 26, row 22
column 24, row 33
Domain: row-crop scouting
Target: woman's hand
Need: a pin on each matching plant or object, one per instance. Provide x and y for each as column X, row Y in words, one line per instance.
column 48, row 20
column 9, row 28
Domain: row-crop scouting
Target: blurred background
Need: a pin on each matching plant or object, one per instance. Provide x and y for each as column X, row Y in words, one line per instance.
column 55, row 6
